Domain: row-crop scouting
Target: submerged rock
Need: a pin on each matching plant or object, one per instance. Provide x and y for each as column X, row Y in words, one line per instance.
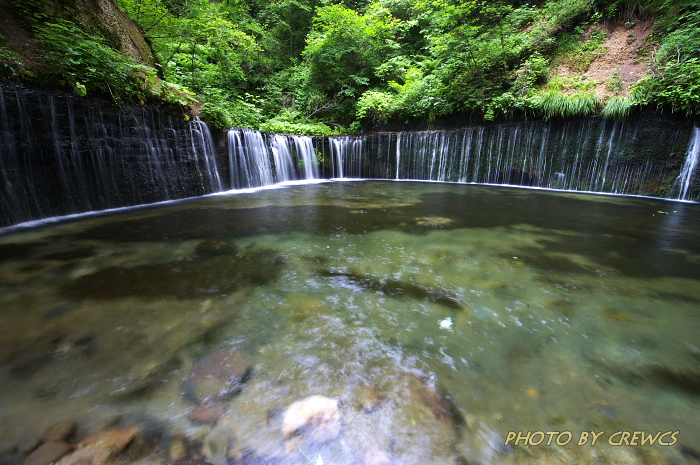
column 208, row 413
column 217, row 443
column 368, row 397
column 216, row 377
column 177, row 450
column 212, row 247
column 11, row 459
column 425, row 390
column 192, row 462
column 96, row 450
column 316, row 417
column 374, row 456
column 48, row 453
column 63, row 431
column 211, row 275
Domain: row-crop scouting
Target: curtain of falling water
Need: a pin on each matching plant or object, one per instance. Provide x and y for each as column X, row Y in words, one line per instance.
column 635, row 157
column 61, row 154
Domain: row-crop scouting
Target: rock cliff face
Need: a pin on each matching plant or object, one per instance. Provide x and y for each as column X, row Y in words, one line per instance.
column 99, row 17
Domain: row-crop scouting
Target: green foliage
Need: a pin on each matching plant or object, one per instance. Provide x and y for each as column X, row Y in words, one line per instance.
column 503, row 103
column 531, row 73
column 676, row 85
column 10, row 63
column 554, row 104
column 306, row 66
column 226, row 114
column 30, row 12
column 89, row 65
column 293, row 122
column 579, row 51
column 344, row 48
column 570, row 84
column 617, row 108
column 85, row 61
column 377, row 106
column 614, row 82
column 675, row 80
column 226, row 111
column 421, row 96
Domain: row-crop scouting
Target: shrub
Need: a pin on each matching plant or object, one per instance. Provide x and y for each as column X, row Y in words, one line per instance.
column 376, row 106
column 676, row 85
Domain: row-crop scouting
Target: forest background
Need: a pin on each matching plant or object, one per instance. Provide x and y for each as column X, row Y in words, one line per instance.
column 332, row 67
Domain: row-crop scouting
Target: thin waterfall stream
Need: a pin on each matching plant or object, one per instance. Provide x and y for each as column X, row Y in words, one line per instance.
column 690, row 166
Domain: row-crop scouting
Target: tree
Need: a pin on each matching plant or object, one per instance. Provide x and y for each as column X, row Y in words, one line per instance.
column 344, row 48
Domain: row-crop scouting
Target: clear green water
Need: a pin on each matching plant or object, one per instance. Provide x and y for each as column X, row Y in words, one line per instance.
column 570, row 312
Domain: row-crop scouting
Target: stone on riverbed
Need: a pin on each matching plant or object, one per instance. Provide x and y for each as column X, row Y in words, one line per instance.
column 192, row 462
column 63, row 431
column 316, row 417
column 213, row 247
column 177, row 450
column 208, row 413
column 96, row 450
column 216, row 377
column 368, row 397
column 48, row 453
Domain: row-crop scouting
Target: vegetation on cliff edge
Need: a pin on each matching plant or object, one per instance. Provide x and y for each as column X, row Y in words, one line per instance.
column 329, row 66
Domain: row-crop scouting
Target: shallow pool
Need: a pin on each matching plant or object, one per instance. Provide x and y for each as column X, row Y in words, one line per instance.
column 442, row 317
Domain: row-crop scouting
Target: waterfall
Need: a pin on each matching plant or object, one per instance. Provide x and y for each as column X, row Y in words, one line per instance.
column 202, row 143
column 250, row 156
column 307, row 156
column 398, row 154
column 691, row 163
column 259, row 159
column 283, row 158
column 338, row 153
column 62, row 154
column 581, row 155
column 348, row 154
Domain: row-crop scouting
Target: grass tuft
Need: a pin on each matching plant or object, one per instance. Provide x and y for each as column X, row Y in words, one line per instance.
column 617, row 108
column 556, row 104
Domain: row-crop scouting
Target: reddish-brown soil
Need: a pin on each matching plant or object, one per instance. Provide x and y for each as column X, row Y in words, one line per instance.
column 621, row 55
